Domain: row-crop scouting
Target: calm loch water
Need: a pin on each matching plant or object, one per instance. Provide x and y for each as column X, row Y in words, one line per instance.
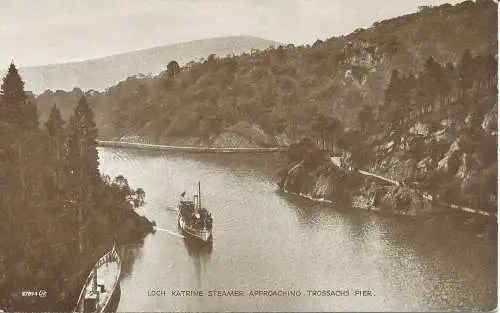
column 278, row 252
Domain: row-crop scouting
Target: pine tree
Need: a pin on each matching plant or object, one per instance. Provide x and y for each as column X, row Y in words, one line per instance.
column 20, row 118
column 82, row 174
column 54, row 124
column 392, row 89
column 72, row 158
column 412, row 92
column 365, row 116
column 448, row 82
column 334, row 129
column 88, row 150
column 491, row 65
column 466, row 73
column 13, row 97
column 9, row 175
column 392, row 97
column 83, row 131
column 29, row 116
column 403, row 98
column 55, row 130
column 432, row 81
column 319, row 128
column 173, row 69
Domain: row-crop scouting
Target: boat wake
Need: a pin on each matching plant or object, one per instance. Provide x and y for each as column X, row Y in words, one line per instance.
column 169, row 231
column 171, row 209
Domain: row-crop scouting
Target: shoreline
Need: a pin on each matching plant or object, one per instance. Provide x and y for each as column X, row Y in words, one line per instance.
column 460, row 216
column 354, row 204
column 123, row 144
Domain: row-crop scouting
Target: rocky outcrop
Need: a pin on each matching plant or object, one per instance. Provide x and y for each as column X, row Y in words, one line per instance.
column 253, row 133
column 244, row 134
column 404, row 200
column 489, row 124
column 230, row 139
column 450, row 158
column 313, row 174
column 428, row 165
column 325, row 182
column 240, row 135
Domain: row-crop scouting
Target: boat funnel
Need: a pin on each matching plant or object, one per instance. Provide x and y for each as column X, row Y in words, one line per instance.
column 94, row 280
column 196, row 202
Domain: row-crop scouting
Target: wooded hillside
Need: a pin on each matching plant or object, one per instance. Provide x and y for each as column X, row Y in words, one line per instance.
column 287, row 92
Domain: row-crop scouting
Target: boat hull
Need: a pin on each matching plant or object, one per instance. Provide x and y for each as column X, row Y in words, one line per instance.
column 203, row 235
column 108, row 270
column 112, row 305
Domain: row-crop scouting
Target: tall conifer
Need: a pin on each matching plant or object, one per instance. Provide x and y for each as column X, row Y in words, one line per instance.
column 88, row 139
column 13, row 97
column 466, row 73
column 55, row 130
column 54, row 124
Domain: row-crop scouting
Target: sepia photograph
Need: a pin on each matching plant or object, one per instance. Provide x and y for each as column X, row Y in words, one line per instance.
column 248, row 156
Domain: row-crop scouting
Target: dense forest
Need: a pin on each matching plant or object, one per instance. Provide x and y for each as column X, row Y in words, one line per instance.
column 59, row 214
column 278, row 95
column 438, row 137
column 442, row 125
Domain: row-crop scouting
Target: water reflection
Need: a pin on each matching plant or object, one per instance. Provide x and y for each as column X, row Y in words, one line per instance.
column 434, row 254
column 358, row 223
column 199, row 252
column 262, row 163
column 308, row 213
column 129, row 254
column 464, row 276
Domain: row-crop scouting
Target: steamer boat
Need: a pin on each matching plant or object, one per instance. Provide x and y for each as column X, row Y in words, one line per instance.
column 193, row 219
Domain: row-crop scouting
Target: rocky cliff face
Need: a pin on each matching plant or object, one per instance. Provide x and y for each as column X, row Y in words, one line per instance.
column 430, row 163
column 244, row 134
column 447, row 159
column 240, row 135
column 311, row 173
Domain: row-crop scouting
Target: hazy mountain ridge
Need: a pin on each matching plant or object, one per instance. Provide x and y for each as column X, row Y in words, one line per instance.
column 288, row 92
column 101, row 73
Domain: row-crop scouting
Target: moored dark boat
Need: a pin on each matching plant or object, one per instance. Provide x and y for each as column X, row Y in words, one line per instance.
column 193, row 219
column 101, row 290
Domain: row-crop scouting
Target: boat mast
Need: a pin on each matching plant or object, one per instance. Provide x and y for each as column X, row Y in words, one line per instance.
column 199, row 196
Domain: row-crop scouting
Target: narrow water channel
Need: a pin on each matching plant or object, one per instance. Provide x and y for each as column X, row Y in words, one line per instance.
column 267, row 240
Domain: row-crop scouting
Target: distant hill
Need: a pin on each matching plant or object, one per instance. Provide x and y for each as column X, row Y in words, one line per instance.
column 277, row 95
column 101, row 73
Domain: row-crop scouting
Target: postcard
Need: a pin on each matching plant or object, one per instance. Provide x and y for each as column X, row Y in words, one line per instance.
column 248, row 156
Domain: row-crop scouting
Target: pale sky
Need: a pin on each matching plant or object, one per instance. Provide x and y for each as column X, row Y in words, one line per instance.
column 36, row 32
